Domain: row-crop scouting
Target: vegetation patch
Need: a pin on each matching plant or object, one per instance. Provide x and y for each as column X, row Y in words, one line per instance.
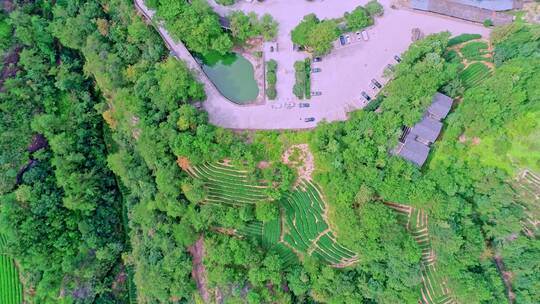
column 434, row 287
column 302, row 75
column 10, row 286
column 301, row 228
column 474, row 74
column 476, row 50
column 271, row 79
column 462, row 38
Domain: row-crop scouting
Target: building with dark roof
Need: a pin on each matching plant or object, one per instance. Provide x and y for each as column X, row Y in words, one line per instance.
column 471, row 10
column 415, row 152
column 440, row 106
column 415, row 142
column 427, row 130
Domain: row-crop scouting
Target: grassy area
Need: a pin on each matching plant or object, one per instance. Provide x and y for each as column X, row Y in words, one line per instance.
column 462, row 38
column 475, row 50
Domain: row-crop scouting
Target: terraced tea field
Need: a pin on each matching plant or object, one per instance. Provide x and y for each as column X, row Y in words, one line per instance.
column 10, row 286
column 302, row 228
column 474, row 74
column 434, row 287
column 227, row 185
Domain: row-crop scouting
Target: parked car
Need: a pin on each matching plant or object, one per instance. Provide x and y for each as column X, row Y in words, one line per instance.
column 390, row 67
column 342, row 40
column 316, row 93
column 289, row 105
column 316, row 70
column 358, row 35
column 317, row 59
column 366, row 96
column 348, row 38
column 309, row 119
column 304, row 105
column 396, row 58
column 365, row 35
column 376, row 83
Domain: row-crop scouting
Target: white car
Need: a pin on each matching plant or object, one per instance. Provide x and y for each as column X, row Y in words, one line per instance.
column 365, row 35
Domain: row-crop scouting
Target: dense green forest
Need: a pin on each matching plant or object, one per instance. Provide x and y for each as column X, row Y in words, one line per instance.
column 97, row 118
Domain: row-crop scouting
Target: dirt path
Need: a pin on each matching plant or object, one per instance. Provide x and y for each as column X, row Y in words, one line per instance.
column 199, row 272
column 506, row 277
column 300, row 158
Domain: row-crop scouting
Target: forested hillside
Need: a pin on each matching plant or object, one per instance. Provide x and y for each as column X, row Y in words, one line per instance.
column 99, row 134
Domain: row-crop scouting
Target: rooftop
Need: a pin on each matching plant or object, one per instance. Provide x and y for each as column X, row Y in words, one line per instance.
column 427, row 130
column 440, row 106
column 414, row 151
column 417, row 140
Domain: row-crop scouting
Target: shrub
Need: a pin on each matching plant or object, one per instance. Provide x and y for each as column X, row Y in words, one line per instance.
column 271, row 92
column 298, row 90
column 488, row 23
column 271, row 79
column 374, row 8
column 226, row 2
column 271, row 65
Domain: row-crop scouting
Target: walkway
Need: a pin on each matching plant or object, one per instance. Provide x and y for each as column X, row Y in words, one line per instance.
column 345, row 72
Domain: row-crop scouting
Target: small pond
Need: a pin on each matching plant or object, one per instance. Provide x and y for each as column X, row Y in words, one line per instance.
column 233, row 76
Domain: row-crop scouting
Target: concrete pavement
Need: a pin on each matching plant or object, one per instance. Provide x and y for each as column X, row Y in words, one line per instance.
column 345, row 72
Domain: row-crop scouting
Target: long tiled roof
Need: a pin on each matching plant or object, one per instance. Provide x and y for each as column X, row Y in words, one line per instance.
column 440, row 106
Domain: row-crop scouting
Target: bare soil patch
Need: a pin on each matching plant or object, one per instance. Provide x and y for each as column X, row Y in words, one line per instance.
column 199, row 272
column 183, row 163
column 300, row 158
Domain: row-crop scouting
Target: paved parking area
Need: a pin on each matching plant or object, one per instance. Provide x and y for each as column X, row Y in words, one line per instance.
column 346, row 72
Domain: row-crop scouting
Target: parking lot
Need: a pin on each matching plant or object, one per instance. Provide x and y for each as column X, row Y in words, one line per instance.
column 345, row 73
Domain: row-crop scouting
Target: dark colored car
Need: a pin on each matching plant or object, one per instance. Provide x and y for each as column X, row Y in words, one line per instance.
column 342, row 40
column 304, row 105
column 396, row 58
column 390, row 67
column 316, row 93
column 376, row 83
column 366, row 96
column 309, row 119
column 315, row 70
column 317, row 59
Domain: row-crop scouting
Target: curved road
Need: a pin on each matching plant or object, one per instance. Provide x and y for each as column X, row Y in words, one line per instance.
column 345, row 72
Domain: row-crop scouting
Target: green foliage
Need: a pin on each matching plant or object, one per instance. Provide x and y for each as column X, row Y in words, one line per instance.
column 9, row 280
column 462, row 38
column 226, row 2
column 317, row 36
column 488, row 23
column 302, row 75
column 374, row 8
column 358, row 19
column 195, row 24
column 474, row 74
column 475, row 50
column 266, row 211
column 244, row 27
column 271, row 79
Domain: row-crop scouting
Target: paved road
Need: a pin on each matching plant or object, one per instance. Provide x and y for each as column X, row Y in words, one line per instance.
column 345, row 73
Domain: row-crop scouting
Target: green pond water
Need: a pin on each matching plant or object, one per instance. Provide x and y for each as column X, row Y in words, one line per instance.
column 233, row 76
